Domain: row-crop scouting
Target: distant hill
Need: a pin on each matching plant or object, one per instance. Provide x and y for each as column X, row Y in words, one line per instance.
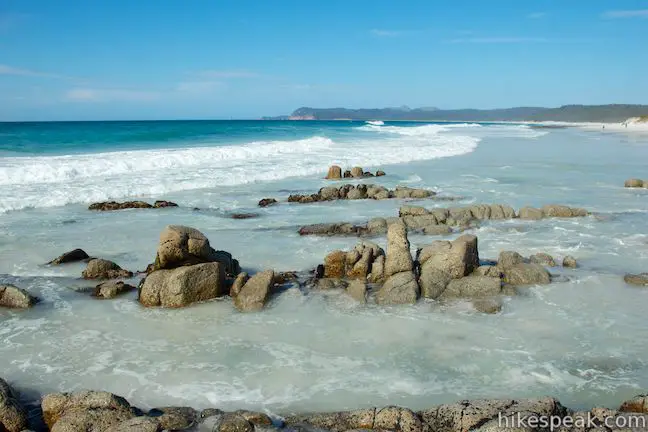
column 567, row 113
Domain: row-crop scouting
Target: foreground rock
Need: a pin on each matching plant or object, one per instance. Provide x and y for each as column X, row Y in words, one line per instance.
column 360, row 192
column 13, row 417
column 636, row 183
column 68, row 257
column 401, row 286
column 640, row 279
column 365, row 260
column 253, row 295
column 517, row 271
column 16, row 298
column 112, row 289
column 183, row 286
column 85, row 411
column 184, row 246
column 103, row 269
column 113, row 205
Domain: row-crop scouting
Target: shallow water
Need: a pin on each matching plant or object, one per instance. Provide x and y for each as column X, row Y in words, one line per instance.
column 581, row 340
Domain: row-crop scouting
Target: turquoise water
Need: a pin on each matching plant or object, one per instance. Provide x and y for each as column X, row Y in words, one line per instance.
column 582, row 339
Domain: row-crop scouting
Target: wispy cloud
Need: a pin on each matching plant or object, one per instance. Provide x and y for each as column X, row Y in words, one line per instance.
column 501, row 40
column 11, row 70
column 226, row 74
column 82, row 94
column 637, row 13
column 199, row 87
column 385, row 33
column 537, row 15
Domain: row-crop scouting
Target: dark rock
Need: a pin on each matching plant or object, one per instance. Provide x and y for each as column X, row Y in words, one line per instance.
column 244, row 215
column 265, row 202
column 174, row 418
column 162, row 204
column 347, row 174
column 113, row 205
column 380, row 173
column 68, row 257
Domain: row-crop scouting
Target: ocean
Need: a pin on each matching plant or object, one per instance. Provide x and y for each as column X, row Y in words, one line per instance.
column 582, row 338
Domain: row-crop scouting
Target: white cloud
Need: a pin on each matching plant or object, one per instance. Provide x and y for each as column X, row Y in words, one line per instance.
column 110, row 95
column 537, row 15
column 226, row 74
column 385, row 33
column 638, row 13
column 501, row 40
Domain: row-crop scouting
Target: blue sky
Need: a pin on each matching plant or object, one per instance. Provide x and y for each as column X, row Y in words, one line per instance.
column 125, row 59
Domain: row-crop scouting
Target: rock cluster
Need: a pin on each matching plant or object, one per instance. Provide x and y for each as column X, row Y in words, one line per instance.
column 439, row 221
column 361, row 191
column 442, row 270
column 101, row 411
column 640, row 279
column 113, row 205
column 636, row 183
column 265, row 202
column 335, row 173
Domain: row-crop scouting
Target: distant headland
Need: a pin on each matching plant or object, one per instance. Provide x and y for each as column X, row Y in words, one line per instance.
column 613, row 113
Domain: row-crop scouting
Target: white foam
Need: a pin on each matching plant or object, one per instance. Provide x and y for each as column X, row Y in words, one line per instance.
column 53, row 181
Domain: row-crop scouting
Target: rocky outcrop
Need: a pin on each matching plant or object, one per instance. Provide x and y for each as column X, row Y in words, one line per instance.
column 112, row 289
column 71, row 256
column 183, row 286
column 13, row 417
column 638, row 404
column 182, row 246
column 16, row 298
column 640, row 279
column 103, row 269
column 365, row 261
column 401, row 286
column 265, row 202
column 636, row 183
column 113, row 205
column 254, row 294
column 517, row 270
column 85, row 411
column 359, row 192
column 334, row 173
column 443, row 261
column 437, row 221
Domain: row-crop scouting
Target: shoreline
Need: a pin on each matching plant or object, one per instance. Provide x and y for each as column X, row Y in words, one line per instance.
column 85, row 410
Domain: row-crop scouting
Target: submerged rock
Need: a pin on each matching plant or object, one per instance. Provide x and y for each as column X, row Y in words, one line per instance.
column 490, row 305
column 265, row 202
column 112, row 289
column 636, row 183
column 244, row 215
column 183, row 286
column 13, row 416
column 357, row 289
column 113, row 205
column 71, row 256
column 98, row 268
column 569, row 262
column 640, row 279
column 16, row 298
column 543, row 259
